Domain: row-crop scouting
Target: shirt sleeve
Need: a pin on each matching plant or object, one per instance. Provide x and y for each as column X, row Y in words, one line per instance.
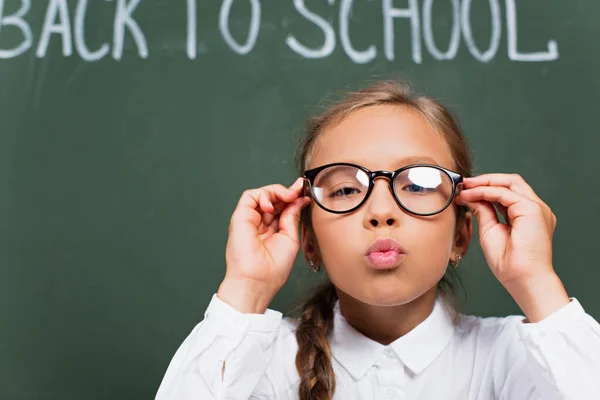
column 560, row 359
column 243, row 341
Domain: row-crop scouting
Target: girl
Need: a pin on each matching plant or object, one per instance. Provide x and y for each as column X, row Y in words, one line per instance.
column 384, row 327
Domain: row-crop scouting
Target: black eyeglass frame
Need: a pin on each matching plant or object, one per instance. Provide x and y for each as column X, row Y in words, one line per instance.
column 311, row 174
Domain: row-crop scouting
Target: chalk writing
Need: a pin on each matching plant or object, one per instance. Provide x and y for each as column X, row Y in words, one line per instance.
column 414, row 18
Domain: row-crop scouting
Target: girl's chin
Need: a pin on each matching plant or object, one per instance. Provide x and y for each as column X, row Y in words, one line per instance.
column 383, row 296
column 389, row 294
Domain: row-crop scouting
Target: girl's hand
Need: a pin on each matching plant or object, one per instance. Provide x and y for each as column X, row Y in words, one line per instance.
column 519, row 252
column 262, row 245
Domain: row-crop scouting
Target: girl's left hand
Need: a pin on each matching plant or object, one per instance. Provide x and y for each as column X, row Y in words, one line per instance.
column 521, row 248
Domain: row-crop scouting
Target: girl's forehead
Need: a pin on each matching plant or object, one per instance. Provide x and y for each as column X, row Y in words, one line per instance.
column 382, row 137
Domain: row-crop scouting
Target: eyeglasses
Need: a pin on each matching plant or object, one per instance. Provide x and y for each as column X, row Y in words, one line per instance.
column 420, row 189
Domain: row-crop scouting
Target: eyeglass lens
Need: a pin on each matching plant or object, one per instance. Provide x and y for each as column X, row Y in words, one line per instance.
column 420, row 189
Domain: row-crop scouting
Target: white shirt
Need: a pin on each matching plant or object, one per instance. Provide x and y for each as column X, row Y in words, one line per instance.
column 477, row 359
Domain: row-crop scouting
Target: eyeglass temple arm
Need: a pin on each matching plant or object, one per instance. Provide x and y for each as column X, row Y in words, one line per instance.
column 306, row 187
column 459, row 187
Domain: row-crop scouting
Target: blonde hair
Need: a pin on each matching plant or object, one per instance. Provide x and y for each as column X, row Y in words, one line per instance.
column 315, row 322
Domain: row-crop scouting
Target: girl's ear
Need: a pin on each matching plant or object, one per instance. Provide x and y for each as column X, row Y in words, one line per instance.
column 462, row 238
column 309, row 245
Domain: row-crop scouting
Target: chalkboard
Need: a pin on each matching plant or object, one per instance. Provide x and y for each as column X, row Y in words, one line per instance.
column 129, row 128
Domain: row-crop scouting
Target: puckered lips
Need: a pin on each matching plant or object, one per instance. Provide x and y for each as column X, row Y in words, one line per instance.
column 385, row 253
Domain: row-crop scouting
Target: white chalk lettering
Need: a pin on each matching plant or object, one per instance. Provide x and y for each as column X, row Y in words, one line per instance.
column 513, row 53
column 63, row 28
column 422, row 33
column 359, row 57
column 192, row 47
column 412, row 12
column 490, row 53
column 328, row 45
column 254, row 27
column 428, row 32
column 80, row 44
column 123, row 18
column 17, row 21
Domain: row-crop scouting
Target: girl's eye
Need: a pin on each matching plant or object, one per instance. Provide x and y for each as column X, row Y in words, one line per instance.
column 344, row 192
column 414, row 188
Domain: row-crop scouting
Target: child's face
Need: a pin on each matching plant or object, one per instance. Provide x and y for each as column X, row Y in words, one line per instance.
column 383, row 138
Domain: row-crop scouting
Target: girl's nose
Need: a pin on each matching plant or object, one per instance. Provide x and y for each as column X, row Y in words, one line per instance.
column 382, row 209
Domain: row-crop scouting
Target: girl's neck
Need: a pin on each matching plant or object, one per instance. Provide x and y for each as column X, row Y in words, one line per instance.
column 386, row 324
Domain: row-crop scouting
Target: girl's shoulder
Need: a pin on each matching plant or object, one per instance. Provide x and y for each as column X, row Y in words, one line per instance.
column 281, row 376
column 288, row 327
column 286, row 345
column 487, row 331
column 469, row 322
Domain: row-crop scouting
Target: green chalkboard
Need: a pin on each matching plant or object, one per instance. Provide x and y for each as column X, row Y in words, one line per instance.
column 120, row 120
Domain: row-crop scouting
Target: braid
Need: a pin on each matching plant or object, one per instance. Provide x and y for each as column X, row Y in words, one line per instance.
column 313, row 360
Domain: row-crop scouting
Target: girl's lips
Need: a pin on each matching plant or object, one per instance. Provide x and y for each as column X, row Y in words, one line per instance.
column 385, row 253
column 385, row 260
column 385, row 244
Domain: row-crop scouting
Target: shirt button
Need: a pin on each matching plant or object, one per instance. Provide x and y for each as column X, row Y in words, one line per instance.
column 391, row 394
column 389, row 353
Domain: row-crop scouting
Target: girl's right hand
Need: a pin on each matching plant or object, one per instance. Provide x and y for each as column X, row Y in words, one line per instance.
column 262, row 245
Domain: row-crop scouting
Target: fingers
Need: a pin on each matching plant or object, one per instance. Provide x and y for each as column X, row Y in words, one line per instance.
column 297, row 186
column 289, row 219
column 516, row 204
column 513, row 182
column 270, row 229
column 484, row 213
column 262, row 207
column 523, row 194
column 268, row 218
column 275, row 197
column 263, row 199
column 493, row 194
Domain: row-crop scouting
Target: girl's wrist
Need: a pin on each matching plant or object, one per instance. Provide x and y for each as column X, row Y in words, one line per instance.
column 246, row 297
column 539, row 296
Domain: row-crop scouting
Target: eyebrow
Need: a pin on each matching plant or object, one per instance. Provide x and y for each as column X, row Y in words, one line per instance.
column 401, row 162
column 418, row 160
column 327, row 173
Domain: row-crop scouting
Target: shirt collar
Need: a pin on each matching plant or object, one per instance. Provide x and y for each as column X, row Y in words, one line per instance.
column 417, row 349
